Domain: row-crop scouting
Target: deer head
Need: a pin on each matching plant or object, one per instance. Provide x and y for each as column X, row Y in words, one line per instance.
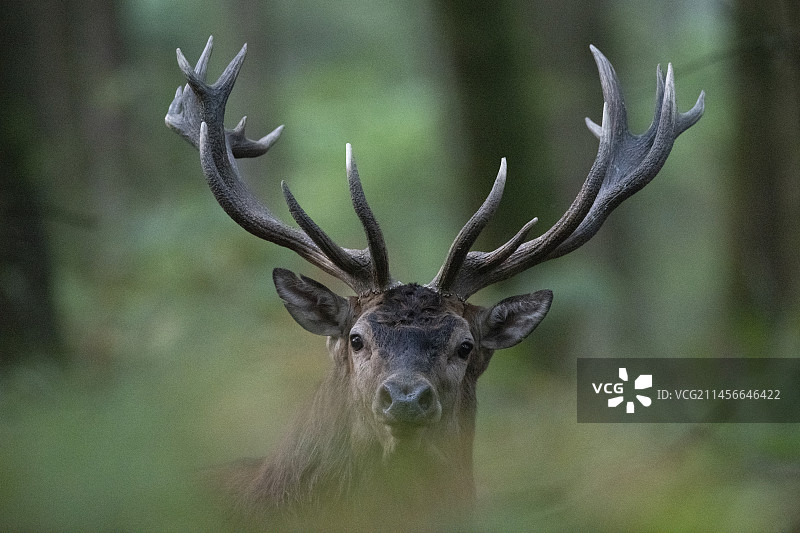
column 407, row 356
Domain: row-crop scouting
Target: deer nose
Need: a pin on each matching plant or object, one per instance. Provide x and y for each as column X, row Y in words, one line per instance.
column 407, row 401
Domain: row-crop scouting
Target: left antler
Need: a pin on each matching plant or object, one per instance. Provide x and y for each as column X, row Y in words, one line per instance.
column 625, row 163
column 197, row 113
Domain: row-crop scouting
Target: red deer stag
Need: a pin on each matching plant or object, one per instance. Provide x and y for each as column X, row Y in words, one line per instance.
column 392, row 425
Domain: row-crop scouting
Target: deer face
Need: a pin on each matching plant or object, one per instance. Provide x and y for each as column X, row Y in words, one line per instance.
column 409, row 351
column 411, row 355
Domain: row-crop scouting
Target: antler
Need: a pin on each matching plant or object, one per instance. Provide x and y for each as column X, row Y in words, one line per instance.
column 624, row 164
column 197, row 113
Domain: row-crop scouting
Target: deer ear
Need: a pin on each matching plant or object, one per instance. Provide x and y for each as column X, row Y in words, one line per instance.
column 511, row 320
column 313, row 305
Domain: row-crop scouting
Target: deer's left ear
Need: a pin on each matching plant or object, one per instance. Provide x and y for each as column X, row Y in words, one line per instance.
column 511, row 320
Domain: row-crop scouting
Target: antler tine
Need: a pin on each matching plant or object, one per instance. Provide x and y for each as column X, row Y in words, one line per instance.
column 338, row 255
column 625, row 163
column 197, row 113
column 688, row 119
column 448, row 273
column 241, row 146
column 202, row 63
column 381, row 278
column 495, row 258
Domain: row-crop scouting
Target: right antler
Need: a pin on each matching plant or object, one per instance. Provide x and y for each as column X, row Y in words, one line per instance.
column 197, row 113
column 625, row 163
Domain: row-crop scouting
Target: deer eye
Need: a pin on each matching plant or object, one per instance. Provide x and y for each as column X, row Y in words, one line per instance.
column 356, row 342
column 465, row 349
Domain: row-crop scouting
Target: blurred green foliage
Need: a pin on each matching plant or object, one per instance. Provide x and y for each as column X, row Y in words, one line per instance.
column 184, row 357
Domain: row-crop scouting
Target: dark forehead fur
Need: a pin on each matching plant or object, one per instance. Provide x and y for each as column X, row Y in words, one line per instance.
column 412, row 305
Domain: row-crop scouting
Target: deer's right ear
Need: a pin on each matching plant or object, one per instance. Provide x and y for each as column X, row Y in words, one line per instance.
column 313, row 305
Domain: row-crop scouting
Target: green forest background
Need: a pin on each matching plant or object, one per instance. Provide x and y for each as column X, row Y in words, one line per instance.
column 141, row 339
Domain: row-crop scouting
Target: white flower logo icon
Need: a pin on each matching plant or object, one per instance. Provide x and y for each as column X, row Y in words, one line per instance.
column 644, row 381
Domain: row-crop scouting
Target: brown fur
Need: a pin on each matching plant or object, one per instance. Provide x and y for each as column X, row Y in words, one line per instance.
column 386, row 442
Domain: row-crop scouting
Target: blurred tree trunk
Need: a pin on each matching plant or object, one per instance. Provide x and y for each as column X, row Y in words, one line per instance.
column 525, row 80
column 28, row 325
column 491, row 57
column 90, row 83
column 58, row 139
column 766, row 274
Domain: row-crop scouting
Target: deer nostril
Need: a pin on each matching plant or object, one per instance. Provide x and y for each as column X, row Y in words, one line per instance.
column 425, row 399
column 384, row 398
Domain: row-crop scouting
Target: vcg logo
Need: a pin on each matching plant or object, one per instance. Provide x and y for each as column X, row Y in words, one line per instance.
column 644, row 381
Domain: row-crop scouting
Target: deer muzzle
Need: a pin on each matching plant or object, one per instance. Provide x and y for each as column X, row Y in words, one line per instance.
column 406, row 402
